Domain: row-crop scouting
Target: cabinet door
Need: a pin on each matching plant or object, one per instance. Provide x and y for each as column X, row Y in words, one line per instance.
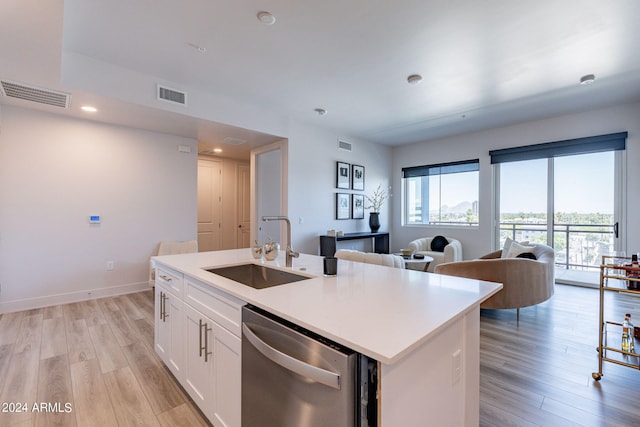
column 198, row 368
column 162, row 329
column 227, row 366
column 169, row 330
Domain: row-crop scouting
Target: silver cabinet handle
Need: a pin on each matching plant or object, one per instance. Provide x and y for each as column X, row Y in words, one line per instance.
column 200, row 337
column 164, row 307
column 320, row 375
column 207, row 353
column 204, row 348
column 166, row 278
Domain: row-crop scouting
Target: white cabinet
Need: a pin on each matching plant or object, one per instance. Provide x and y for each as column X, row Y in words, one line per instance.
column 199, row 359
column 212, row 368
column 198, row 337
column 169, row 330
column 227, row 367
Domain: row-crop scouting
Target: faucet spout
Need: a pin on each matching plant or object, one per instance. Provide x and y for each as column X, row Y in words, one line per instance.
column 290, row 253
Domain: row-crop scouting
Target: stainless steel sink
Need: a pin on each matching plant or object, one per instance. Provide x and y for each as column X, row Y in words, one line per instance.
column 257, row 276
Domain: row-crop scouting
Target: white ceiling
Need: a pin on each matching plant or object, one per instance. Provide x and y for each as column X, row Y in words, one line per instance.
column 484, row 63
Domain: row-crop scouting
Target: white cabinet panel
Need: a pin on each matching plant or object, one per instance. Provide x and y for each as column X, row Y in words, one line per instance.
column 197, row 335
column 169, row 330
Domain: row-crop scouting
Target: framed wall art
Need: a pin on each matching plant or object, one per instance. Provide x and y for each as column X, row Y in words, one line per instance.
column 357, row 177
column 357, row 206
column 343, row 175
column 343, row 210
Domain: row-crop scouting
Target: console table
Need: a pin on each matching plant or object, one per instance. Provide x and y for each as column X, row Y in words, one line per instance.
column 380, row 242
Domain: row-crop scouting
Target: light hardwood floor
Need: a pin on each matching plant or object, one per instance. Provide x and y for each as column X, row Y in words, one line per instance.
column 538, row 373
column 92, row 364
column 98, row 357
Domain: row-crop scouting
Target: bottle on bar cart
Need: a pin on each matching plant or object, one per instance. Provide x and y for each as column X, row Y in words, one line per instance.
column 630, row 326
column 626, row 337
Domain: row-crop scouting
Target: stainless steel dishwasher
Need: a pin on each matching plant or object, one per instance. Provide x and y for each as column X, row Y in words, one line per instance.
column 294, row 378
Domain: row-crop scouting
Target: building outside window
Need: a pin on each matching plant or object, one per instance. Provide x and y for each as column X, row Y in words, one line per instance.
column 442, row 194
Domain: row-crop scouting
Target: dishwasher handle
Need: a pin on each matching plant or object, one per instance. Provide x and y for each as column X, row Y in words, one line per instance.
column 320, row 375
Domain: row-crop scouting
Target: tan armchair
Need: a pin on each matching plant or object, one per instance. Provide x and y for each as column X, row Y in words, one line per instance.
column 452, row 251
column 525, row 282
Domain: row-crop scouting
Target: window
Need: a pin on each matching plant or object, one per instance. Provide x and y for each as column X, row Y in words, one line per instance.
column 566, row 194
column 442, row 194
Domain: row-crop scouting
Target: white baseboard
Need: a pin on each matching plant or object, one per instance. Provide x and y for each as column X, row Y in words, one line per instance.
column 49, row 300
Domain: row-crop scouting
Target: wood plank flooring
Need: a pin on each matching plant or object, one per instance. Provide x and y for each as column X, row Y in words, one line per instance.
column 538, row 373
column 92, row 363
column 89, row 363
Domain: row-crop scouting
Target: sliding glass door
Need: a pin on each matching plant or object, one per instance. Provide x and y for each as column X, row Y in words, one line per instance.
column 568, row 198
column 523, row 201
column 585, row 211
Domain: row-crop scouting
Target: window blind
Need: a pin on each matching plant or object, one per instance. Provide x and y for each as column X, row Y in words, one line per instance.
column 569, row 147
column 441, row 168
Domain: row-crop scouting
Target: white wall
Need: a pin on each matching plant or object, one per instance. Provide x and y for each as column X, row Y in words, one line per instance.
column 313, row 153
column 54, row 173
column 477, row 241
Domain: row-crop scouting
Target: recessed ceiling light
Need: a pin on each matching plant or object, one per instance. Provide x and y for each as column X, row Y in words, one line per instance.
column 88, row 109
column 217, row 150
column 320, row 111
column 414, row 79
column 266, row 18
column 587, row 79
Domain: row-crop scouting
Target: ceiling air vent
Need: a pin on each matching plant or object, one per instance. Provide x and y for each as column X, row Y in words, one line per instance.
column 172, row 95
column 344, row 145
column 233, row 141
column 35, row 94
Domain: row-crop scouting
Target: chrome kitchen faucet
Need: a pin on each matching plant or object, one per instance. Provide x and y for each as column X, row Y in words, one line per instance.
column 290, row 253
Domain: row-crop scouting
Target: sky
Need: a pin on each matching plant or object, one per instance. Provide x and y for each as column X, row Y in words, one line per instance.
column 583, row 184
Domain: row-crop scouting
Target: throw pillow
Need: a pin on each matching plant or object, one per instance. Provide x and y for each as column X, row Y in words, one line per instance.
column 507, row 246
column 527, row 255
column 517, row 248
column 438, row 243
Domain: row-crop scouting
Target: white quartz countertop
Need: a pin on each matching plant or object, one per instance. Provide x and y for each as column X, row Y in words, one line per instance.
column 382, row 312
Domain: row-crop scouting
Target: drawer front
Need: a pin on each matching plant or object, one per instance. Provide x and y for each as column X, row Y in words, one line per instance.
column 222, row 308
column 171, row 279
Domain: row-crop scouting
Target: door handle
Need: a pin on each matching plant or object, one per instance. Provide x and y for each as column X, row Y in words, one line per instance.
column 320, row 375
column 204, row 348
column 164, row 307
column 615, row 230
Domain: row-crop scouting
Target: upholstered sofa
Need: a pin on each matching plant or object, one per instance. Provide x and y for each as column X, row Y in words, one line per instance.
column 525, row 281
column 451, row 251
column 371, row 258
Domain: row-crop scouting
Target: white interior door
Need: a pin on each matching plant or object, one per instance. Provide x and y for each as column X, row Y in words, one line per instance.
column 209, row 205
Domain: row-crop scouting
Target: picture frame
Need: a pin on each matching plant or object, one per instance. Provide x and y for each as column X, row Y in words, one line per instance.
column 343, row 175
column 343, row 208
column 357, row 177
column 357, row 206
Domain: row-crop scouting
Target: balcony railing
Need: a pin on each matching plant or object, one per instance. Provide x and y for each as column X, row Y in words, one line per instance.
column 577, row 246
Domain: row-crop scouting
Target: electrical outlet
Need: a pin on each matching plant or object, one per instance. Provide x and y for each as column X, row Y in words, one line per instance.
column 110, row 266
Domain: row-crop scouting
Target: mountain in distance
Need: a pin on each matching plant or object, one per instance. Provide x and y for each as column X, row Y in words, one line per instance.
column 462, row 207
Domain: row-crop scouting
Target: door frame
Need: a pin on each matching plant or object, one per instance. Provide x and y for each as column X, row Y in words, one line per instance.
column 282, row 146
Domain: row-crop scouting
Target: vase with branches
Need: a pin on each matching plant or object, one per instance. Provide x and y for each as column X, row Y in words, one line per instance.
column 375, row 204
column 376, row 199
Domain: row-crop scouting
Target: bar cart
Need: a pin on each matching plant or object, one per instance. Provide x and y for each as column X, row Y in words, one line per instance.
column 619, row 275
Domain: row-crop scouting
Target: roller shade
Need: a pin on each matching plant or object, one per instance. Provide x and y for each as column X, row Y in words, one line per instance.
column 441, row 168
column 569, row 147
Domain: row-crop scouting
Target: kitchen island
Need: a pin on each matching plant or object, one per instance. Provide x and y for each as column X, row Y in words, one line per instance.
column 422, row 328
